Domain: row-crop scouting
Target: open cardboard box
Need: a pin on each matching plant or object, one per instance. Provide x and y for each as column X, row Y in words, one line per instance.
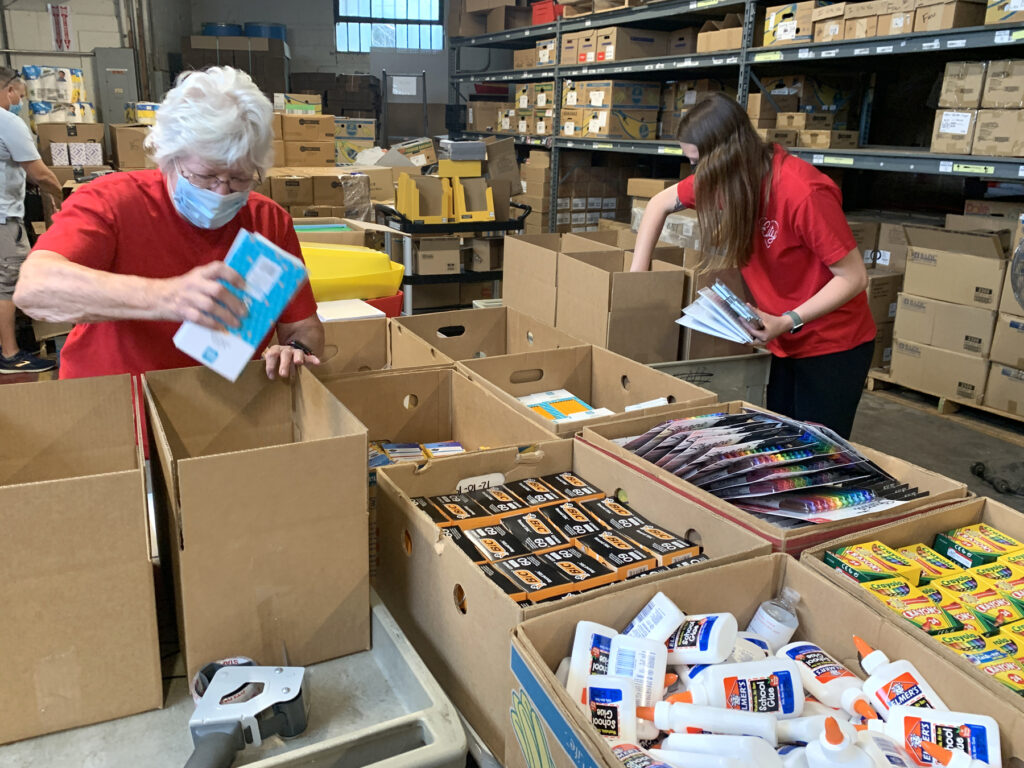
column 354, row 346
column 793, row 540
column 457, row 618
column 466, row 334
column 260, row 488
column 828, row 617
column 922, row 529
column 76, row 578
column 600, row 378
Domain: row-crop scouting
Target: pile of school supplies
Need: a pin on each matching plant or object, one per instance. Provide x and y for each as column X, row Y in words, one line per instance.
column 383, row 452
column 561, row 405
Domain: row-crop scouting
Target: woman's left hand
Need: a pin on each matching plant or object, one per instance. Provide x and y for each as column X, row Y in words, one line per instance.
column 774, row 326
column 282, row 360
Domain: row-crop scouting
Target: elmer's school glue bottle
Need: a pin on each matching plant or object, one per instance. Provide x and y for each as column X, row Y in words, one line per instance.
column 976, row 735
column 894, row 683
column 591, row 651
column 837, row 746
column 656, row 621
column 682, row 717
column 801, row 730
column 793, row 757
column 694, row 759
column 828, row 679
column 770, row 686
column 883, row 750
column 703, row 639
column 611, row 707
column 644, row 662
column 632, row 756
column 751, row 750
column 950, row 758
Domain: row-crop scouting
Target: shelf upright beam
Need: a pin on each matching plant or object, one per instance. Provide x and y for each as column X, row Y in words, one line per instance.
column 749, row 24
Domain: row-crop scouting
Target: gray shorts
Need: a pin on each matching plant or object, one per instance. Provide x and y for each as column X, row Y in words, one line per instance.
column 13, row 250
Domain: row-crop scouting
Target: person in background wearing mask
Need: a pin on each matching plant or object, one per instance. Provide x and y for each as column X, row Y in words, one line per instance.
column 18, row 158
column 133, row 255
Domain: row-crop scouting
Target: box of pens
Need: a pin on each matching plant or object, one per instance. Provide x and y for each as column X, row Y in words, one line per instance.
column 796, row 484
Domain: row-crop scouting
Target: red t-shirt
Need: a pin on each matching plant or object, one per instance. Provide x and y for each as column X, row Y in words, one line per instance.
column 801, row 234
column 126, row 223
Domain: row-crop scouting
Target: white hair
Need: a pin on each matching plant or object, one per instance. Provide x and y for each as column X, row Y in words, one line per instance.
column 217, row 116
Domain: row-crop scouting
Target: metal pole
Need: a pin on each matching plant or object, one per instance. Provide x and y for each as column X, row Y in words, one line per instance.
column 426, row 121
column 385, row 136
column 407, row 261
column 27, row 52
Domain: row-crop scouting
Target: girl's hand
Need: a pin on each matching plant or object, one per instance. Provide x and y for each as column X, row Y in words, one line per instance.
column 774, row 325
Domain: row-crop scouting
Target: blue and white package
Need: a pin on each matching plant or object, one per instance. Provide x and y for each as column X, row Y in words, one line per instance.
column 272, row 277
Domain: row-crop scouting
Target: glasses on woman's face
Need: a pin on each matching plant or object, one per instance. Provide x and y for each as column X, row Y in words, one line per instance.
column 214, row 182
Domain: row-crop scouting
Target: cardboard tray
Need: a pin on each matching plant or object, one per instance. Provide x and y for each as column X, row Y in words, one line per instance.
column 922, row 529
column 941, row 489
column 459, row 620
column 828, row 616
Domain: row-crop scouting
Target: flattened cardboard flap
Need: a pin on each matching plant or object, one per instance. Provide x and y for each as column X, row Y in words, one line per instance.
column 991, row 245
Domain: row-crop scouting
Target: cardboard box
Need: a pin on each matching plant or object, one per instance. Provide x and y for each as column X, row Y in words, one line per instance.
column 126, row 145
column 243, row 571
column 953, row 133
column 488, row 254
column 883, row 345
column 295, row 103
column 329, row 190
column 502, row 19
column 569, row 53
column 478, row 291
column 942, row 324
column 599, row 377
column 1004, row 84
column 792, row 540
column 805, row 121
column 437, row 255
column 530, row 276
column 1005, row 389
column 778, row 136
column 309, row 153
column 899, row 23
column 832, row 30
column 435, row 296
column 614, row 123
column 962, row 84
column 346, row 151
column 354, row 128
column 939, row 15
column 292, row 190
column 682, row 42
column 353, row 346
column 939, row 372
column 629, row 94
column 68, row 133
column 724, row 35
column 547, row 56
column 1003, row 12
column 818, row 139
column 865, row 232
column 860, row 28
column 999, row 133
column 969, row 686
column 892, row 247
column 460, row 619
column 524, row 58
column 75, row 558
column 1008, row 341
column 789, row 24
column 759, row 107
column 962, row 267
column 622, row 43
column 1008, row 302
column 828, row 617
column 307, row 128
column 313, row 211
column 648, row 188
column 632, row 313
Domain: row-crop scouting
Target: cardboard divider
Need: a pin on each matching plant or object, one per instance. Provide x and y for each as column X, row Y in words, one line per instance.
column 352, row 346
column 601, row 378
column 76, row 578
column 922, row 529
column 458, row 619
column 828, row 617
column 467, row 334
column 940, row 489
column 261, row 494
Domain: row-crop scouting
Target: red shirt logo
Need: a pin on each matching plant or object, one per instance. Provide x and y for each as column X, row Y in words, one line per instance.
column 769, row 231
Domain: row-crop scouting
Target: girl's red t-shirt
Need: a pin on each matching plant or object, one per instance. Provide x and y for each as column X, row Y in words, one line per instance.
column 802, row 232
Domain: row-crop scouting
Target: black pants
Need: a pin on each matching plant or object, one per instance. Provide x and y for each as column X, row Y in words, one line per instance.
column 824, row 389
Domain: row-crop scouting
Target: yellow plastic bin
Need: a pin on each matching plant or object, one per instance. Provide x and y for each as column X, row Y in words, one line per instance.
column 350, row 272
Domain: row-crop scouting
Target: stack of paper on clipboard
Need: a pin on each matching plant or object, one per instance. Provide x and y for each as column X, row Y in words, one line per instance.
column 720, row 312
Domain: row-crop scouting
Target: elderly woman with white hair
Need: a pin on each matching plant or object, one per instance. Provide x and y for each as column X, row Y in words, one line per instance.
column 132, row 255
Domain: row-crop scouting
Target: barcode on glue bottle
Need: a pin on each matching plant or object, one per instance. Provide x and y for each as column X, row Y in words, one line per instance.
column 624, row 663
column 645, row 621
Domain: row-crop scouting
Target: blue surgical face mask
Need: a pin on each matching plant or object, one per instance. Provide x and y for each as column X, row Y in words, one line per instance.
column 204, row 207
column 15, row 109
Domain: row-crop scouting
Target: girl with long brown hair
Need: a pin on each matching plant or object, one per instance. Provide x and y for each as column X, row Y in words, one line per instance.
column 780, row 221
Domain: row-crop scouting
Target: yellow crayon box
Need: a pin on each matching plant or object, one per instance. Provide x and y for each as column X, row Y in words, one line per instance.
column 912, row 604
column 975, row 545
column 932, row 564
column 872, row 560
column 992, row 608
column 954, row 608
column 987, row 656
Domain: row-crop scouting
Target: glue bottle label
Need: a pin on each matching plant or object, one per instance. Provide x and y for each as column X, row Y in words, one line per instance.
column 766, row 694
column 600, row 652
column 904, row 690
column 823, row 666
column 605, row 704
column 692, row 634
column 968, row 738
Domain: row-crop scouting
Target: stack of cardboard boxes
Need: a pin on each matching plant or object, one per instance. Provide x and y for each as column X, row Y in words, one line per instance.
column 820, row 22
column 469, row 18
column 267, row 60
column 981, row 109
column 677, row 97
column 352, row 135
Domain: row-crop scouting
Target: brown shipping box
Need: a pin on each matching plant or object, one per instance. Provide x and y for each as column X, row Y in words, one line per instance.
column 789, row 24
column 307, row 128
column 467, row 334
column 600, row 378
column 531, row 275
column 1003, row 12
column 940, row 489
column 1004, row 85
column 999, row 133
column 352, row 346
column 962, row 84
column 622, row 43
column 962, row 267
column 953, row 133
column 1008, row 302
column 1005, row 389
column 828, row 616
column 883, row 345
column 437, row 255
column 292, row 190
column 1008, row 341
column 126, row 145
column 892, row 246
column 311, row 153
column 77, row 578
column 896, row 22
column 956, row 327
column 458, row 619
column 68, row 133
column 633, row 313
column 970, row 687
column 939, row 372
column 883, row 290
column 936, row 15
column 242, row 568
column 860, row 28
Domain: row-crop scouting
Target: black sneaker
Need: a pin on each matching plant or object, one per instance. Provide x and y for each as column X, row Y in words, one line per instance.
column 23, row 362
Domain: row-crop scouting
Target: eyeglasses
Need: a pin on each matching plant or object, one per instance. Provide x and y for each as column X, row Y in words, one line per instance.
column 211, row 182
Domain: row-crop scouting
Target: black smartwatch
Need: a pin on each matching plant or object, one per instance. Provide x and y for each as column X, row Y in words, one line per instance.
column 797, row 322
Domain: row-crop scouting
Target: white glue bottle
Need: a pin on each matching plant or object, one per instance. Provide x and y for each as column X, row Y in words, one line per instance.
column 827, row 679
column 656, row 621
column 562, row 673
column 644, row 662
column 694, row 759
column 883, row 750
column 750, row 749
column 793, row 757
column 611, row 706
column 977, row 735
column 837, row 746
column 770, row 686
column 814, row 707
column 702, row 639
column 801, row 730
column 894, row 683
column 950, row 758
column 591, row 650
column 633, row 756
column 682, row 717
column 776, row 619
column 749, row 647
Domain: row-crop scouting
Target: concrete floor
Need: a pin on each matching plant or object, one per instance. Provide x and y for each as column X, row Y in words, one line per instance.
column 908, row 426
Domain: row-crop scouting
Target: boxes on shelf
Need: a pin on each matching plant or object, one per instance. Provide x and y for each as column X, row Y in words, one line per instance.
column 436, row 296
column 569, row 53
column 792, row 540
column 779, row 136
column 936, row 15
column 1004, row 84
column 77, row 592
column 721, row 35
column 228, row 542
column 824, row 139
column 487, row 254
column 479, row 291
column 524, row 58
column 616, row 123
column 629, row 94
column 942, row 324
column 962, row 84
column 805, row 121
column 309, row 153
column 899, row 21
column 460, row 617
column 291, row 190
column 683, row 42
column 1004, row 12
column 760, row 107
column 1008, row 341
column 860, row 28
column 828, row 24
column 506, row 18
column 437, row 255
column 547, row 55
column 999, row 133
column 586, row 47
column 961, row 267
column 789, row 24
column 953, row 133
column 938, row 371
column 623, row 43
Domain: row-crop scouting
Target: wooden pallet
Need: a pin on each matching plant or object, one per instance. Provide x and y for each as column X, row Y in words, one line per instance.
column 963, row 412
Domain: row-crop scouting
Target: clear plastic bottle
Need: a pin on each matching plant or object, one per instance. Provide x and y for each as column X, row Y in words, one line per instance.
column 776, row 619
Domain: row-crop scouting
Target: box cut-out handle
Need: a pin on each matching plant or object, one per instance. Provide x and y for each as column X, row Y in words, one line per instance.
column 526, row 375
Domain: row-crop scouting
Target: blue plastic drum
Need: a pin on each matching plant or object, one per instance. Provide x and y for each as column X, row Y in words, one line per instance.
column 266, row 29
column 220, row 29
